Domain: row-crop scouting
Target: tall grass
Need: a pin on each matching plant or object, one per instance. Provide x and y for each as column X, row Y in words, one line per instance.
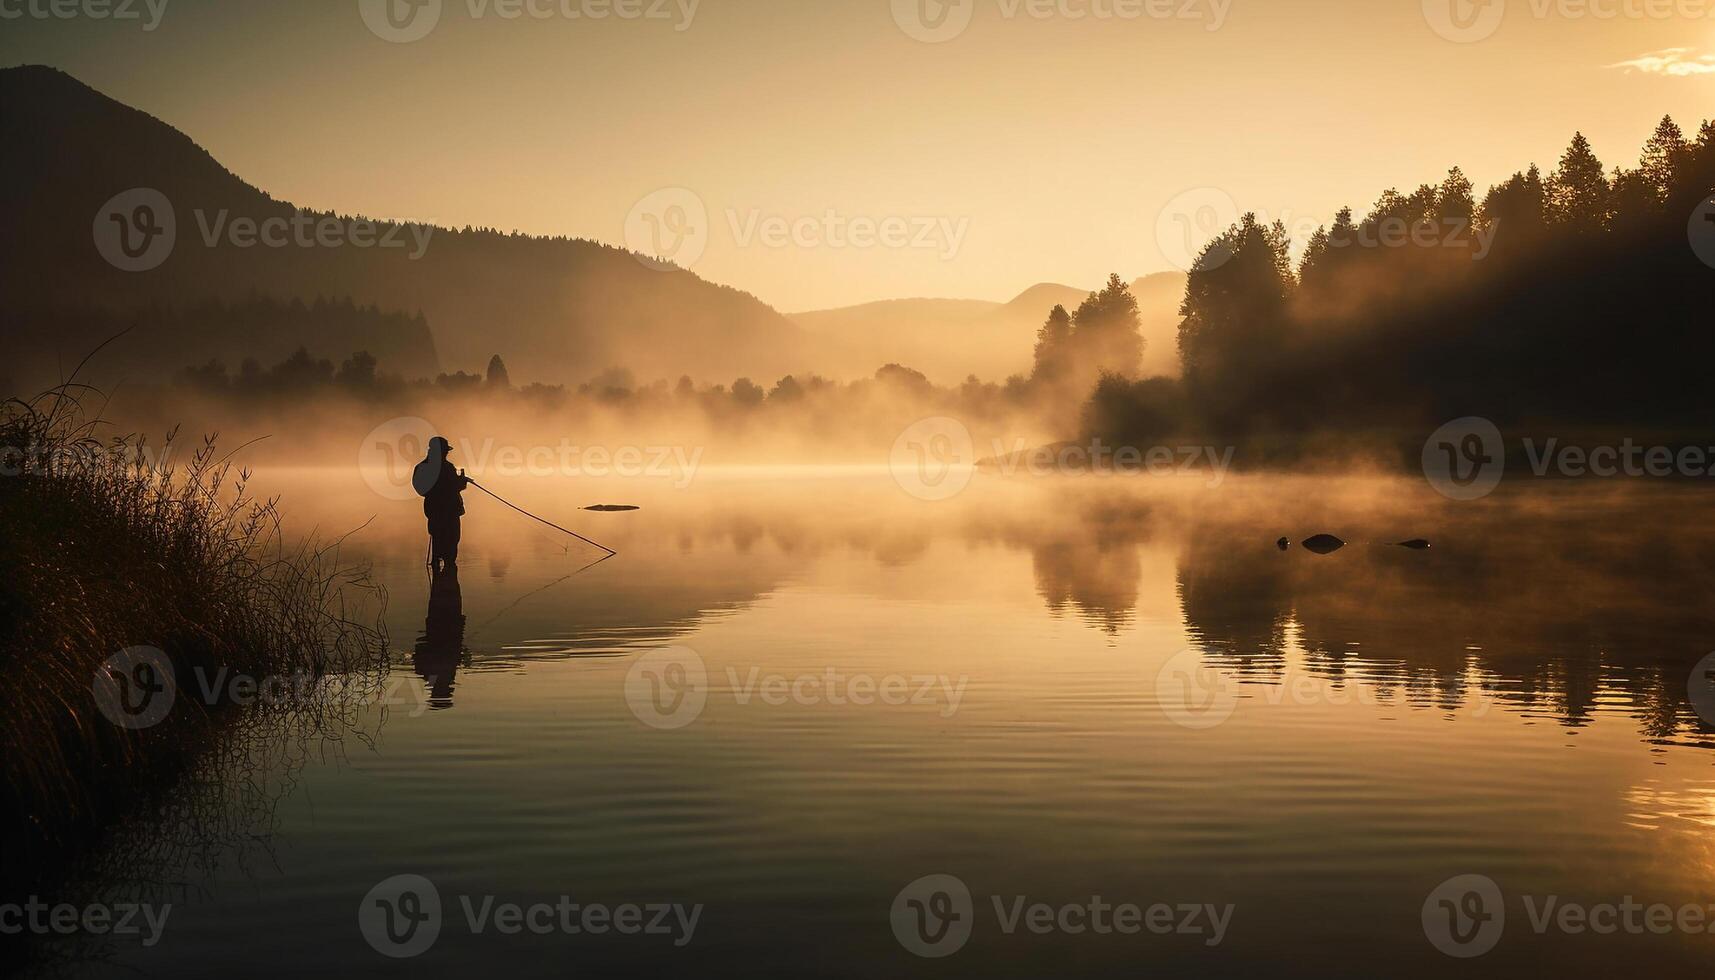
column 109, row 544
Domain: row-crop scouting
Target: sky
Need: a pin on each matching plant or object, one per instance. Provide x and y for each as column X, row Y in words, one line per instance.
column 820, row 153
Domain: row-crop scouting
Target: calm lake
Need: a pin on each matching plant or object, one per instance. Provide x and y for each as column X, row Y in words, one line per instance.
column 794, row 694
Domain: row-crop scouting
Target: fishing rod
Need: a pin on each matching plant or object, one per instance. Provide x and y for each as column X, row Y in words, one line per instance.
column 496, row 496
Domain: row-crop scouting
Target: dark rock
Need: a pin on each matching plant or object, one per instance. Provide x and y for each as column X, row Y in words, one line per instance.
column 1323, row 544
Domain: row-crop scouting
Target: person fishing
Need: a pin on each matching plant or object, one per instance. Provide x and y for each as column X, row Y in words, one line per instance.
column 442, row 488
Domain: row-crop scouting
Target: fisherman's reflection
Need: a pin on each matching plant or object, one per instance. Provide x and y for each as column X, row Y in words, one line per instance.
column 440, row 650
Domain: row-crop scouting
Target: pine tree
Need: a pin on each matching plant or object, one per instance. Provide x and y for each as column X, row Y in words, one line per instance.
column 1315, row 253
column 1578, row 192
column 1634, row 199
column 1454, row 204
column 1663, row 157
column 1235, row 308
column 1107, row 331
column 1053, row 346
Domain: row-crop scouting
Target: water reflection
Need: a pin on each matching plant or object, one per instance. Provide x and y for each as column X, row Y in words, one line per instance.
column 1559, row 610
column 1556, row 602
column 440, row 649
column 1447, row 683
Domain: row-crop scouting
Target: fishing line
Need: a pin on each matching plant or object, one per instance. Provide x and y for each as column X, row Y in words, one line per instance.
column 514, row 603
column 491, row 493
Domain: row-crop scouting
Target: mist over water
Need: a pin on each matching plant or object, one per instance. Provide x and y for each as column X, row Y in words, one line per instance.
column 1046, row 687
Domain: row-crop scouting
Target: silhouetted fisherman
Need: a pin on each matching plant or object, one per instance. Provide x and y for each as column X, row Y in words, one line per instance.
column 442, row 488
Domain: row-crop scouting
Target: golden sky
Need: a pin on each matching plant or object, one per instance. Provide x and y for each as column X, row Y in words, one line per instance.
column 1038, row 140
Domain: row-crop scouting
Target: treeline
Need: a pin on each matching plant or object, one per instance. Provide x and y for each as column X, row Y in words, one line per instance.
column 159, row 339
column 302, row 378
column 1572, row 298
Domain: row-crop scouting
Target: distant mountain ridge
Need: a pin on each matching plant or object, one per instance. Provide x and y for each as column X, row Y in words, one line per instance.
column 948, row 339
column 559, row 309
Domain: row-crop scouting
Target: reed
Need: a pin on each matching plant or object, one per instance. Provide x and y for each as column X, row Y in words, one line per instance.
column 110, row 543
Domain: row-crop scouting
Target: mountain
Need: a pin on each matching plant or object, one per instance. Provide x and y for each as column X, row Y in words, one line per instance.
column 558, row 309
column 1044, row 296
column 948, row 339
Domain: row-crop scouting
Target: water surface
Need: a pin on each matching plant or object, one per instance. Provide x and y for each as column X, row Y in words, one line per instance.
column 1099, row 687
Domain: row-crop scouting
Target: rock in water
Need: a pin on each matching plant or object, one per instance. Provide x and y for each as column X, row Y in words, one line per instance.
column 1323, row 544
